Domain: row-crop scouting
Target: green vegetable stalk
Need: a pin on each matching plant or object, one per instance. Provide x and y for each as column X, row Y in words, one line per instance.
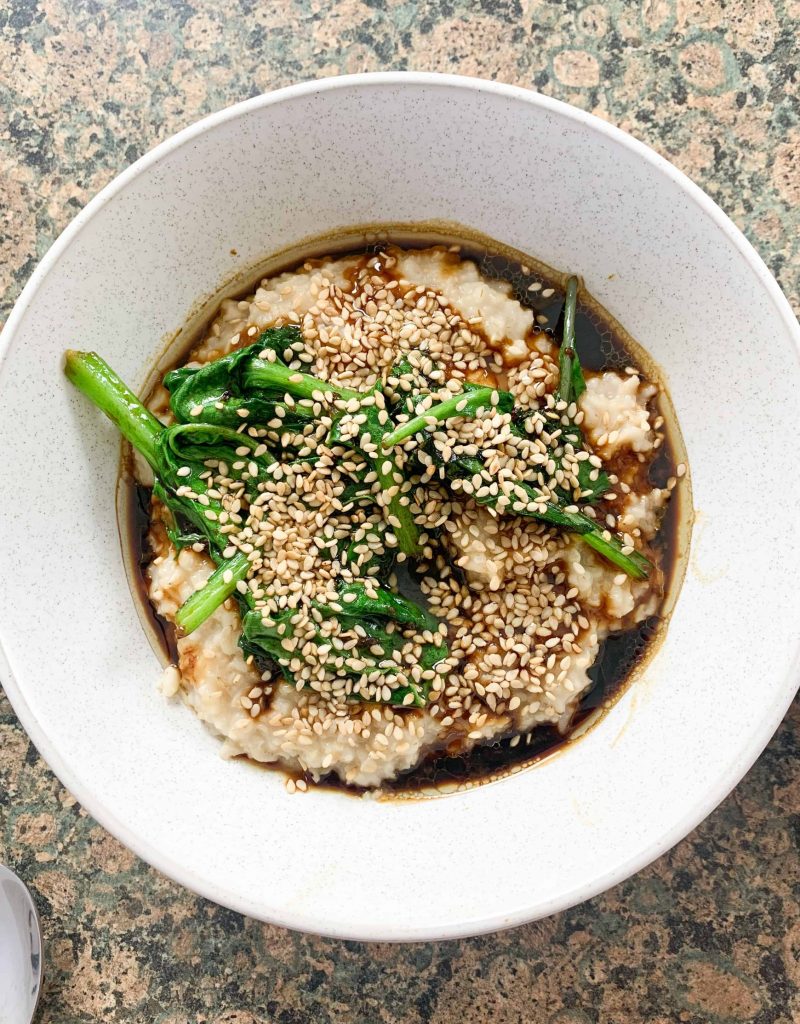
column 468, row 402
column 571, row 384
column 218, row 588
column 95, row 378
column 177, row 456
column 388, row 472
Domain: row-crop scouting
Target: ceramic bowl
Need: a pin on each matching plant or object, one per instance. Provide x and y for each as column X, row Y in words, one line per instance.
column 539, row 176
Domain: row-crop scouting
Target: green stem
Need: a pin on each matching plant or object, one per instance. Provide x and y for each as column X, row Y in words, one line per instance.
column 567, row 354
column 95, row 378
column 386, row 469
column 262, row 374
column 407, row 532
column 634, row 564
column 470, row 403
column 218, row 587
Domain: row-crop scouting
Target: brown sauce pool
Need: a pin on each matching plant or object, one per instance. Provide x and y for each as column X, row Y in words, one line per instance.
column 602, row 344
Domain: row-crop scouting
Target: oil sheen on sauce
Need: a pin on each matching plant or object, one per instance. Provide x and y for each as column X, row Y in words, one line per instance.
column 602, row 345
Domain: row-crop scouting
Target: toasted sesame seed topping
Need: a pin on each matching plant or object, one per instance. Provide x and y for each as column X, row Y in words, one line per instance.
column 513, row 594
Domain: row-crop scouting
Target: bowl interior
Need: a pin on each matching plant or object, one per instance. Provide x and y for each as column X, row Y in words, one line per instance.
column 544, row 179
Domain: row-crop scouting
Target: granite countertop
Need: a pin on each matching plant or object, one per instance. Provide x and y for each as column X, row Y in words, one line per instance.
column 709, row 933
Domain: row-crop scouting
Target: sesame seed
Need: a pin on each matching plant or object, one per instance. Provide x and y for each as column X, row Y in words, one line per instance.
column 508, row 589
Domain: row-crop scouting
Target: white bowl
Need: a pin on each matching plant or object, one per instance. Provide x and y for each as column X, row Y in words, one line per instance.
column 539, row 176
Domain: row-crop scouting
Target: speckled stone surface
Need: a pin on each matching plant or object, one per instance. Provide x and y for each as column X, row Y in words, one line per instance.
column 711, row 932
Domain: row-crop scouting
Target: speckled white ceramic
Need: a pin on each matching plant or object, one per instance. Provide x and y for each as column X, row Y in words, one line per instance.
column 539, row 176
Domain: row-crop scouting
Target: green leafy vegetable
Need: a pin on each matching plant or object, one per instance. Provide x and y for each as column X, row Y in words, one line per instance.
column 380, row 617
column 244, row 388
column 180, row 455
column 527, row 501
column 382, row 604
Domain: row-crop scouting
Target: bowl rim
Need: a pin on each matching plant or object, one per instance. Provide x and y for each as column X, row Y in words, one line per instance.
column 714, row 794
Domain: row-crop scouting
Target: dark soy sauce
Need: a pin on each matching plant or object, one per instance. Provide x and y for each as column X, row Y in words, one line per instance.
column 134, row 499
column 602, row 344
